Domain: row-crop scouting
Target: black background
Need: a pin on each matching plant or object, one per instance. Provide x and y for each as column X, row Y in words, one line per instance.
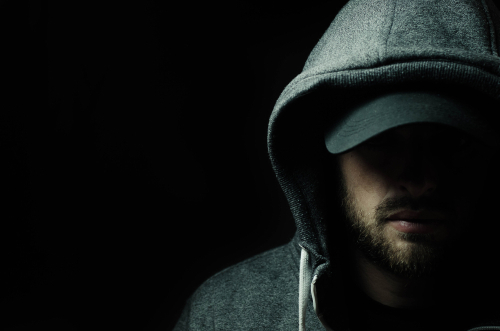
column 136, row 167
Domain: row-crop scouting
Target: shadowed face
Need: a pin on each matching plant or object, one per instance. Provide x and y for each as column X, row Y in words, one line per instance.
column 428, row 168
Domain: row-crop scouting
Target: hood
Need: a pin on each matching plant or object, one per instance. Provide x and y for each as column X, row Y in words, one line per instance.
column 371, row 45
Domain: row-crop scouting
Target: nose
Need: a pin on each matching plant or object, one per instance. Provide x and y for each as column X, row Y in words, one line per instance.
column 419, row 175
column 418, row 187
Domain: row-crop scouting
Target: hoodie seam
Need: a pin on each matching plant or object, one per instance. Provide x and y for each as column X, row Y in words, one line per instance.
column 493, row 46
column 389, row 32
column 292, row 86
column 294, row 265
column 307, row 207
column 410, row 61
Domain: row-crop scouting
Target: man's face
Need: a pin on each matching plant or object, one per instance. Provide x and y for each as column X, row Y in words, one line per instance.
column 417, row 167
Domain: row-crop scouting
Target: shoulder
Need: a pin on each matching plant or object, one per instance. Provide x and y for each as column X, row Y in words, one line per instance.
column 261, row 275
column 259, row 291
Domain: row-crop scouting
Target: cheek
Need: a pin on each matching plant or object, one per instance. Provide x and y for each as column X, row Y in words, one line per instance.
column 366, row 183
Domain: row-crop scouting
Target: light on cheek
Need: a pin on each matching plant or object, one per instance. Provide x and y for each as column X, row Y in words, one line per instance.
column 365, row 180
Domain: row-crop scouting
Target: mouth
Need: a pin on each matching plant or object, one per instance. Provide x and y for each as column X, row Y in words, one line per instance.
column 417, row 216
column 416, row 226
column 416, row 222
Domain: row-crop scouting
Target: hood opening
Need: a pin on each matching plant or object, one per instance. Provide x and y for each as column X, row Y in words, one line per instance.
column 310, row 181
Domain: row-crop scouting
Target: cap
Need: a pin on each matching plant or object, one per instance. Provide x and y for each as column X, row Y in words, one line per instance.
column 393, row 109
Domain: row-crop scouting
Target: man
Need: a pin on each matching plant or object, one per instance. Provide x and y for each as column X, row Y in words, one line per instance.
column 410, row 198
column 385, row 147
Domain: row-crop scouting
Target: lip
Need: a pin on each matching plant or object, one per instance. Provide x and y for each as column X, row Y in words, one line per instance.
column 410, row 226
column 417, row 216
column 409, row 221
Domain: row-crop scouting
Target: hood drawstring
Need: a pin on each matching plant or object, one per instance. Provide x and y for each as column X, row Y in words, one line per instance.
column 306, row 286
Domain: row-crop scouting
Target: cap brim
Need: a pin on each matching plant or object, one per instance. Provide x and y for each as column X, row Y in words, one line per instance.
column 401, row 108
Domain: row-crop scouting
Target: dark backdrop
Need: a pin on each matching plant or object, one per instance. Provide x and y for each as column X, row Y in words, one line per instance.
column 136, row 167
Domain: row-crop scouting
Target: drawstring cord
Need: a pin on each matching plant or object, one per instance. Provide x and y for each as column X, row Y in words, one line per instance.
column 307, row 286
column 304, row 287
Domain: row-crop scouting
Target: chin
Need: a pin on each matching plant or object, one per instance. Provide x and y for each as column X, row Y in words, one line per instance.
column 409, row 256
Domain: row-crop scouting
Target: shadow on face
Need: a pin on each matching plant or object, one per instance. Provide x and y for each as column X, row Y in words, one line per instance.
column 418, row 167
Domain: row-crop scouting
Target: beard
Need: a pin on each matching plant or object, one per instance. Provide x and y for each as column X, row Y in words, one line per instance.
column 405, row 255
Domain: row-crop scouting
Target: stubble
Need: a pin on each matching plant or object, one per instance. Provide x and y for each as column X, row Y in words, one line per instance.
column 405, row 255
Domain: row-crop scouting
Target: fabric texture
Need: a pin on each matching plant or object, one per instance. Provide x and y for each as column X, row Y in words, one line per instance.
column 371, row 45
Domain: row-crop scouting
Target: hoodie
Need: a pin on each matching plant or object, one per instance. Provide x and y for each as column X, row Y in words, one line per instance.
column 371, row 45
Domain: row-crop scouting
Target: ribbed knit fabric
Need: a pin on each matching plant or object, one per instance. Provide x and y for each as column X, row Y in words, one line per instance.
column 370, row 45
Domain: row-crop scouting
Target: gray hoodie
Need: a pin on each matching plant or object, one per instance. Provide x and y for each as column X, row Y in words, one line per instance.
column 370, row 45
